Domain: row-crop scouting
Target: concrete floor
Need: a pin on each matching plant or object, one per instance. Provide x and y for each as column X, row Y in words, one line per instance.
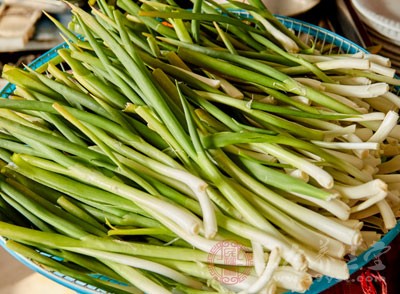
column 16, row 278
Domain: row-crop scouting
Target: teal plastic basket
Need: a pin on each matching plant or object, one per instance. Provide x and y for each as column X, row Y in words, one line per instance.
column 325, row 37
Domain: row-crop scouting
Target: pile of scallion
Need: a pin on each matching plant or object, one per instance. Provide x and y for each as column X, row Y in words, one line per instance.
column 162, row 134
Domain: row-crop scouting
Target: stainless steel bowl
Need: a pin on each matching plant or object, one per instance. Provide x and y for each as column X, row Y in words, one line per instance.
column 290, row 7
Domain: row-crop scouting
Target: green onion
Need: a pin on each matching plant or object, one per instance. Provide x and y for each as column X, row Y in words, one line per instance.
column 162, row 133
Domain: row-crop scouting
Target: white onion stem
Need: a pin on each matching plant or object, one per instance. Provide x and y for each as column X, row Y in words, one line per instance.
column 288, row 278
column 272, row 264
column 365, row 190
column 392, row 178
column 325, row 264
column 383, row 70
column 311, row 82
column 355, row 224
column 372, row 116
column 369, row 202
column 351, row 63
column 385, row 128
column 360, row 91
column 378, row 59
column 211, row 82
column 350, row 80
column 258, row 257
column 288, row 43
column 335, row 206
column 395, row 99
column 320, row 175
column 388, row 216
column 345, row 100
column 353, row 160
column 347, row 145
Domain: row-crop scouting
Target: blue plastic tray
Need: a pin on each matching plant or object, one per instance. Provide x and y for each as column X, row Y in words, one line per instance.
column 318, row 34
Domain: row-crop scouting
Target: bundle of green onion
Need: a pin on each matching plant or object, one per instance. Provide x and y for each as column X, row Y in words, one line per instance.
column 163, row 134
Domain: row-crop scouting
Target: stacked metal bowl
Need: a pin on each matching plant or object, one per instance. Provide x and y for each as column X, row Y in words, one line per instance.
column 382, row 20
